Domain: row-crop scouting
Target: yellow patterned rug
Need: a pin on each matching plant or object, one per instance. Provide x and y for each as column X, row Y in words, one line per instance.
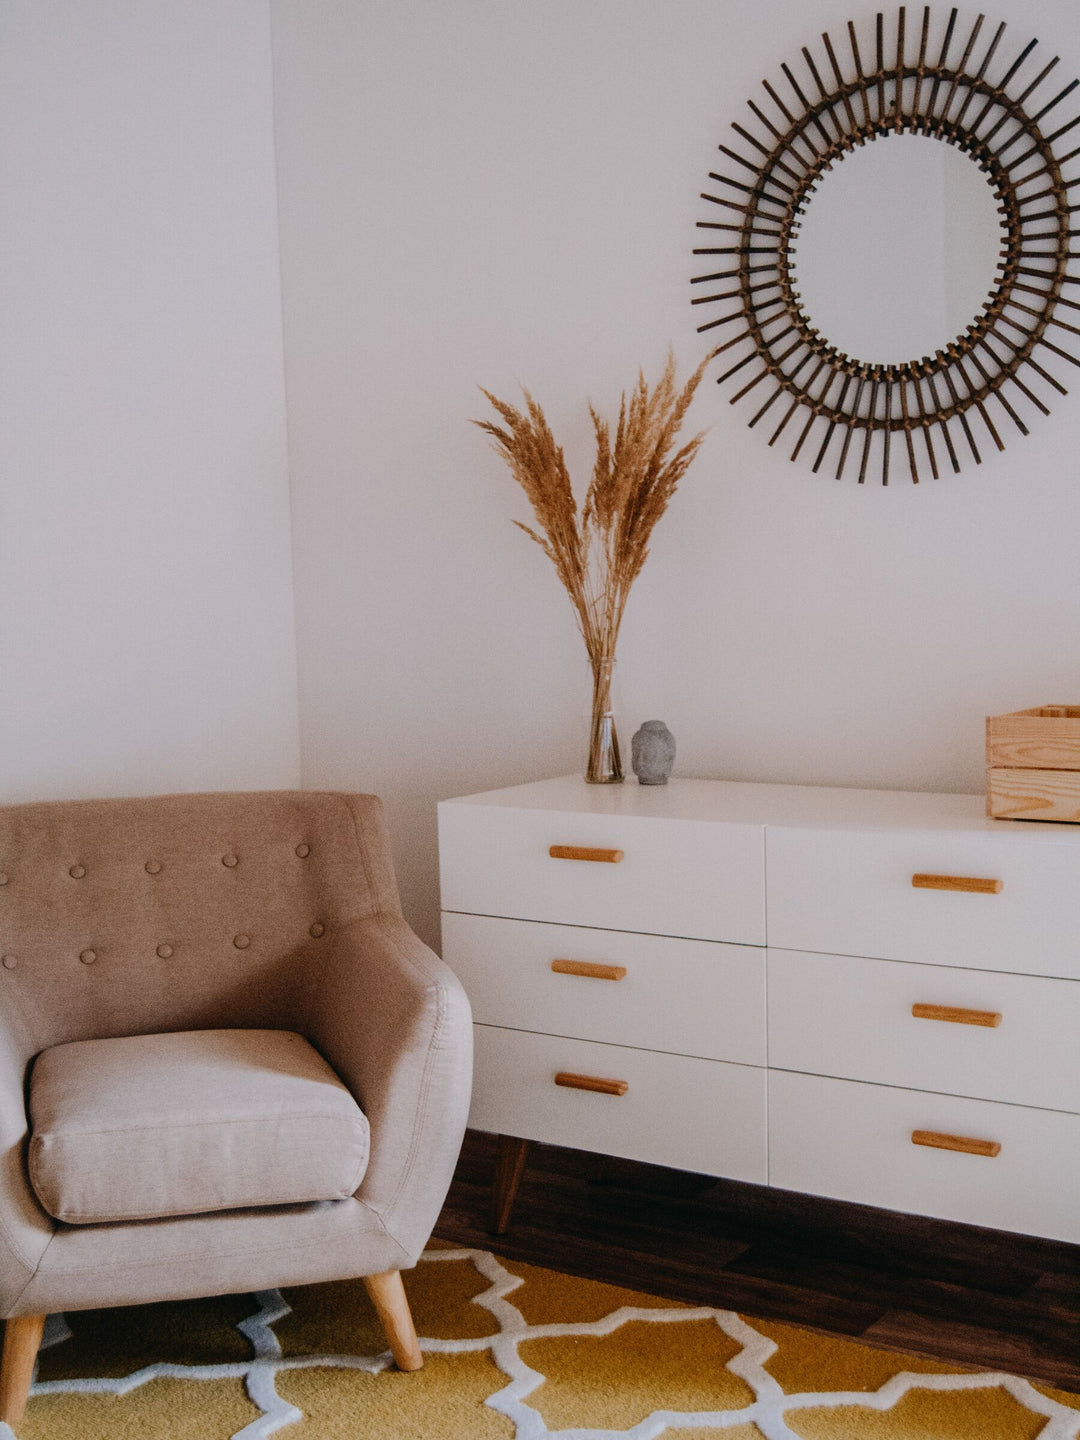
column 512, row 1352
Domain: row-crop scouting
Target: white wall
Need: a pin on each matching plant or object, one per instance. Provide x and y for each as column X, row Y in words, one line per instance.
column 494, row 191
column 146, row 626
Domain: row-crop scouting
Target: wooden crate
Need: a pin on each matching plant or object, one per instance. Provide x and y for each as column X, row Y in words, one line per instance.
column 1033, row 764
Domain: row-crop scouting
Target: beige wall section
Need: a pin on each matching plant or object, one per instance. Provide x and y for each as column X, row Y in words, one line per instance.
column 146, row 626
column 488, row 192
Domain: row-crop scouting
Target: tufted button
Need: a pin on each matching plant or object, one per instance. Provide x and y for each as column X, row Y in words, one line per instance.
column 3, row 877
column 230, row 861
column 88, row 957
column 164, row 952
column 241, row 941
column 153, row 867
column 77, row 872
column 303, row 851
column 317, row 929
column 9, row 962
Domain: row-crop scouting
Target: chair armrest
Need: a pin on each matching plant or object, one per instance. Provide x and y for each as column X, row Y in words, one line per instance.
column 395, row 1024
column 25, row 1229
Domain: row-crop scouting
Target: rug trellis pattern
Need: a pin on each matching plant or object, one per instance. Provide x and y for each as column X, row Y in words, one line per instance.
column 563, row 1359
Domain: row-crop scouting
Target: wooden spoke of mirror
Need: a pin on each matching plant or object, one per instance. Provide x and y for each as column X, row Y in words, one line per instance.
column 938, row 409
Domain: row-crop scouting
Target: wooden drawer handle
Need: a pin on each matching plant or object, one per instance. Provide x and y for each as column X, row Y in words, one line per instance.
column 587, row 968
column 584, row 852
column 958, row 882
column 957, row 1016
column 591, row 1082
column 956, row 1142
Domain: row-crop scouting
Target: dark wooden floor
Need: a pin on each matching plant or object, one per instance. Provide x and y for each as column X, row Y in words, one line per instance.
column 981, row 1297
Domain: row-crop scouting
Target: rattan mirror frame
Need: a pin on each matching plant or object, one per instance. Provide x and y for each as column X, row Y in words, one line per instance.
column 791, row 146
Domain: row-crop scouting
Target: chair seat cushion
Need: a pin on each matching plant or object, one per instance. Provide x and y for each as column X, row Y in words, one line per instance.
column 183, row 1124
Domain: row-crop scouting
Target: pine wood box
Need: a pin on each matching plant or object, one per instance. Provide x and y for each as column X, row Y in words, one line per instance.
column 1033, row 764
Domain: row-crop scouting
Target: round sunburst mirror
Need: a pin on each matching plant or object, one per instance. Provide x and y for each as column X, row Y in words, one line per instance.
column 859, row 241
column 892, row 269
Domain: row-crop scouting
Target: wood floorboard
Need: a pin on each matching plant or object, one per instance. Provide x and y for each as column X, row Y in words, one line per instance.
column 952, row 1292
column 971, row 1345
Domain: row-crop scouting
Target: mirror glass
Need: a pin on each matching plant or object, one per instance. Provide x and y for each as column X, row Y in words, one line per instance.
column 897, row 249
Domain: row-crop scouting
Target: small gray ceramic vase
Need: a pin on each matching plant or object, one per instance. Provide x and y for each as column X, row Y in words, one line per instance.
column 652, row 753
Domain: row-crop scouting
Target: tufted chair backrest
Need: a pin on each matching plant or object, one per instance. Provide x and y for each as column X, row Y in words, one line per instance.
column 180, row 912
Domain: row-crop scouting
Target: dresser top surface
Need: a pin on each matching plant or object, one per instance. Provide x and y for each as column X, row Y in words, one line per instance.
column 735, row 802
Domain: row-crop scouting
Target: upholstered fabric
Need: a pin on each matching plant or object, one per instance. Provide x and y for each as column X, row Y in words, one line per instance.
column 180, row 912
column 400, row 1037
column 231, row 911
column 90, row 1267
column 147, row 1126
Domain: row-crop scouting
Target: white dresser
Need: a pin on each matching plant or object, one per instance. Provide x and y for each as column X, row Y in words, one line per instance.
column 871, row 995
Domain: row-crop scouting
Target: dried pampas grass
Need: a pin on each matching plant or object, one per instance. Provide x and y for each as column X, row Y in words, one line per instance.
column 599, row 549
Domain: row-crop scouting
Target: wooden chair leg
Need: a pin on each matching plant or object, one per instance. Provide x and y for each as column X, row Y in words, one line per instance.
column 509, row 1167
column 22, row 1339
column 388, row 1296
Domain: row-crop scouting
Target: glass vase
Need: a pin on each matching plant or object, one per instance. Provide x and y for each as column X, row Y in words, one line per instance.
column 604, row 764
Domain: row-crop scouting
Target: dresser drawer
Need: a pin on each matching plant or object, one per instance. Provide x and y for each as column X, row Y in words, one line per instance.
column 851, row 893
column 836, row 1015
column 698, row 879
column 691, row 997
column 854, row 1142
column 700, row 1115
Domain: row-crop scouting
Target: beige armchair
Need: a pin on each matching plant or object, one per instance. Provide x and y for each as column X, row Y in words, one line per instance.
column 226, row 1062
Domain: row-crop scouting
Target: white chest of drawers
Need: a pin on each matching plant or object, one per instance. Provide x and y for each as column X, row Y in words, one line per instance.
column 743, row 980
